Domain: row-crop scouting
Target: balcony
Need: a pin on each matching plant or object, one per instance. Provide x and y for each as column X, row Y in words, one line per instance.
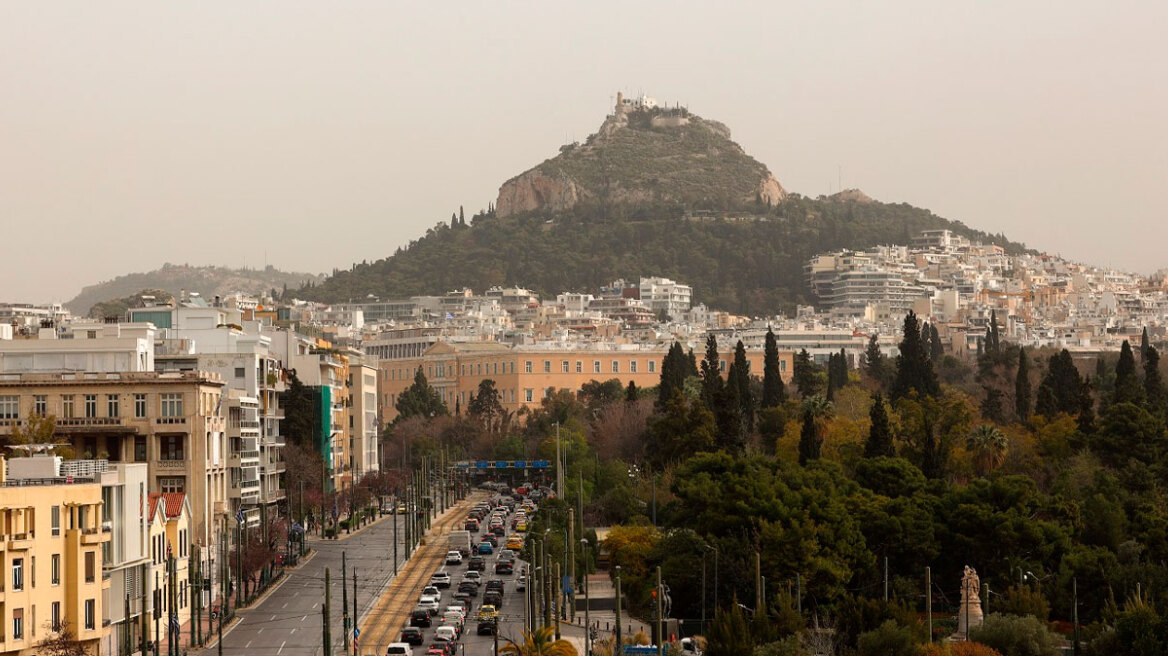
column 170, row 420
column 20, row 541
column 93, row 536
column 169, row 464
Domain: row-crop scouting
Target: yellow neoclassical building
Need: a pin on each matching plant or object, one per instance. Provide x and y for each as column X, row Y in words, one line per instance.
column 51, row 537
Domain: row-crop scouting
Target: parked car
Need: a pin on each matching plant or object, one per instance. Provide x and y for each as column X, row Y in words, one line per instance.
column 412, row 635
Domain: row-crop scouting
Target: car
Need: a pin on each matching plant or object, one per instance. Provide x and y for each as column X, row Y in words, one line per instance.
column 467, row 590
column 485, row 627
column 420, row 618
column 504, row 567
column 476, row 577
column 434, row 651
column 476, row 564
column 495, row 585
column 445, row 633
column 412, row 635
column 492, row 539
column 471, row 525
column 431, row 604
column 399, row 649
column 440, row 580
column 453, row 558
column 494, row 599
column 499, row 531
column 445, row 648
column 487, row 612
column 521, row 527
column 515, row 543
column 431, row 590
column 520, row 584
column 506, row 554
column 453, row 618
column 485, row 548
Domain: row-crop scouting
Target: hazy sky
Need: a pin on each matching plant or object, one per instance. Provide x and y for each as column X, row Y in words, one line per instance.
column 310, row 135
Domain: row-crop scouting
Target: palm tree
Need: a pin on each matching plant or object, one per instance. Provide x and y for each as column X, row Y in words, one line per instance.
column 540, row 642
column 989, row 446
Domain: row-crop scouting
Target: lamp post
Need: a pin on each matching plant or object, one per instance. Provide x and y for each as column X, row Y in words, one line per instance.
column 587, row 619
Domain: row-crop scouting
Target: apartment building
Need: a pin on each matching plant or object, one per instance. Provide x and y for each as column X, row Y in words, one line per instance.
column 51, row 542
column 168, row 421
column 365, row 442
column 523, row 375
column 169, row 516
column 125, row 558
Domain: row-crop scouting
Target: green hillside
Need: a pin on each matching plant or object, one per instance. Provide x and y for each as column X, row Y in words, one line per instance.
column 752, row 266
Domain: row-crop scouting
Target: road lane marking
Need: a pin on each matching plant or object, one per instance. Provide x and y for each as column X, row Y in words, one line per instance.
column 259, row 632
column 303, row 618
column 281, row 649
column 248, row 645
column 284, row 606
column 273, row 618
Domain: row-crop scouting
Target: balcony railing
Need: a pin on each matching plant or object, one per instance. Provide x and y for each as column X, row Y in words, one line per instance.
column 89, row 421
column 167, row 463
column 170, row 420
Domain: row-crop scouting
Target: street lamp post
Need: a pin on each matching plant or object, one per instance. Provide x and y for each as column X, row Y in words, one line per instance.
column 587, row 618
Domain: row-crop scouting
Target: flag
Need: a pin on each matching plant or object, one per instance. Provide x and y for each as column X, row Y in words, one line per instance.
column 449, row 316
column 174, row 625
column 297, row 528
column 239, row 515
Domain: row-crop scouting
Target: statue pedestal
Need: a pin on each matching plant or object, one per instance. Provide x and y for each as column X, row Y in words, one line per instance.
column 969, row 616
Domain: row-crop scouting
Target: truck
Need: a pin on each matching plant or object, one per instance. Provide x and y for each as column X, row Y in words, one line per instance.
column 460, row 541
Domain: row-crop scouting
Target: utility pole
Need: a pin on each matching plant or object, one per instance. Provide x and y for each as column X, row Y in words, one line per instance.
column 661, row 613
column 587, row 618
column 798, row 590
column 396, row 521
column 127, row 638
column 356, row 630
column 757, row 582
column 559, row 599
column 239, row 551
column 1075, row 610
column 929, row 601
column 985, row 599
column 571, row 556
column 145, row 619
column 703, row 629
column 344, row 604
column 224, row 578
column 886, row 578
column 326, row 633
column 157, row 611
column 172, row 633
column 620, row 649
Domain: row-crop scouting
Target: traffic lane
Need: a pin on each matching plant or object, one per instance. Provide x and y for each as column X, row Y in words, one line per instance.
column 288, row 621
column 511, row 616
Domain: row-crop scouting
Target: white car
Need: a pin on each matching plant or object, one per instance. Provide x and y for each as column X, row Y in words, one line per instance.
column 445, row 633
column 440, row 580
column 431, row 604
column 399, row 649
column 453, row 558
column 474, row 577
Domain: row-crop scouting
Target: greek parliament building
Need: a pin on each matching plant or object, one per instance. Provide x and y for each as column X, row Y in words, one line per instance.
column 523, row 375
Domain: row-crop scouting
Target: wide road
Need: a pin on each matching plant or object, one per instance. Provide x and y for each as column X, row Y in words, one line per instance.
column 288, row 621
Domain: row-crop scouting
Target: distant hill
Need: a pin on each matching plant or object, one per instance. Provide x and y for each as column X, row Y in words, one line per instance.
column 208, row 281
column 653, row 192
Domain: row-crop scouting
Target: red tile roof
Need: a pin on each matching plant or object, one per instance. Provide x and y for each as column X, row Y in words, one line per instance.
column 173, row 503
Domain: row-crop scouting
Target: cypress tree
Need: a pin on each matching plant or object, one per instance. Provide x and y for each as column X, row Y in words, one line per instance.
column 1144, row 345
column 926, row 337
column 1127, row 382
column 806, row 376
column 691, row 363
column 631, row 392
column 832, row 380
column 740, row 378
column 874, row 358
column 936, row 348
column 996, row 343
column 673, row 374
column 913, row 369
column 727, row 411
column 773, row 390
column 809, row 445
column 1022, row 387
column 461, row 216
column 1062, row 388
column 711, row 376
column 1153, row 382
column 879, row 441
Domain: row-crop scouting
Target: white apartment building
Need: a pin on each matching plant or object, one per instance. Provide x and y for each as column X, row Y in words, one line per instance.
column 665, row 295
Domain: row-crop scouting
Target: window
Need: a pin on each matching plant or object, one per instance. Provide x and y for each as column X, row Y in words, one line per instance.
column 173, row 484
column 564, row 366
column 172, row 405
column 55, row 520
column 18, row 624
column 240, row 372
column 596, row 366
column 652, row 366
column 90, row 406
column 722, row 366
column 90, row 613
column 140, row 448
column 495, row 367
column 90, row 566
column 782, row 365
column 579, row 367
column 528, row 395
column 55, row 616
column 616, row 366
column 140, row 406
column 67, row 406
column 479, row 368
column 17, row 573
column 32, row 570
column 547, row 366
column 9, row 407
column 40, row 405
column 527, row 367
column 632, row 366
column 171, row 447
column 113, row 405
column 55, row 566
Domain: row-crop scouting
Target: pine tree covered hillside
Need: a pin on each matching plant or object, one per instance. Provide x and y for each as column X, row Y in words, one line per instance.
column 752, row 266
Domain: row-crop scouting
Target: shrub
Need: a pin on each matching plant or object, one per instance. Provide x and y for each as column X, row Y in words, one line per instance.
column 958, row 649
column 789, row 646
column 1023, row 601
column 889, row 639
column 1013, row 635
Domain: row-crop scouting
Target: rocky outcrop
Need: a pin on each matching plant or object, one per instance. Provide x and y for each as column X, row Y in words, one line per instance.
column 645, row 158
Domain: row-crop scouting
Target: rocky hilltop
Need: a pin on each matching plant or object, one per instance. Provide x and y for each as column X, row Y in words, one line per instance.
column 645, row 156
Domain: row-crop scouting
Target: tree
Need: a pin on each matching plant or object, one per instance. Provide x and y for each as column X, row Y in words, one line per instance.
column 596, row 394
column 37, row 429
column 631, row 392
column 816, row 411
column 300, row 413
column 1022, row 387
column 995, row 340
column 988, row 445
column 729, row 634
column 1153, row 382
column 1127, row 383
column 711, row 373
column 1145, row 344
column 889, row 639
column 486, row 407
column 62, row 643
column 679, row 431
column 420, row 400
column 1062, row 388
column 540, row 642
column 1015, row 636
column 806, row 375
column 773, row 390
column 879, row 441
column 914, row 371
column 936, row 348
column 739, row 377
column 674, row 370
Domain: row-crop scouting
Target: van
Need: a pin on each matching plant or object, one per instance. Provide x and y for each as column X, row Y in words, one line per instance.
column 399, row 649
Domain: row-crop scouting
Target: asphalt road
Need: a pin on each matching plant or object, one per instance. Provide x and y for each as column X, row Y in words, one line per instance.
column 288, row 622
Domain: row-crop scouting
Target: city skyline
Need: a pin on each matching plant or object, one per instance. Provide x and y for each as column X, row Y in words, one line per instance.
column 237, row 136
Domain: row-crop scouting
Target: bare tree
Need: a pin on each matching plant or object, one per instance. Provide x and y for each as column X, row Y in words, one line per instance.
column 62, row 643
